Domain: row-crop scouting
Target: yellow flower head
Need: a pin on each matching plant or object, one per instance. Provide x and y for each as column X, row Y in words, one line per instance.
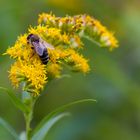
column 83, row 25
column 78, row 62
column 33, row 75
column 54, row 70
column 64, row 36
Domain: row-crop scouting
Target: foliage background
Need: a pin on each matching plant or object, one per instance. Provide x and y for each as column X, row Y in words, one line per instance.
column 114, row 80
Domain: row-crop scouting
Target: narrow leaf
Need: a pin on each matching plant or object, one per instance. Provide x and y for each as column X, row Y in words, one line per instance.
column 41, row 133
column 9, row 128
column 57, row 111
column 15, row 100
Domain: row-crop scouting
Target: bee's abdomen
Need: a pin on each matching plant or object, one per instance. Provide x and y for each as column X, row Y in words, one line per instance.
column 45, row 57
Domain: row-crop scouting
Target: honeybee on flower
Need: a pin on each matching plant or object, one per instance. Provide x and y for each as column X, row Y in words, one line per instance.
column 40, row 47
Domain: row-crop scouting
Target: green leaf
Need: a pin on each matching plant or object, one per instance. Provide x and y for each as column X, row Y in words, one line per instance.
column 15, row 100
column 42, row 132
column 55, row 112
column 9, row 128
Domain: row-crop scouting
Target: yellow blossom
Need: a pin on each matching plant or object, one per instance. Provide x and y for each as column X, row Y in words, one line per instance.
column 54, row 70
column 34, row 75
column 64, row 34
column 84, row 25
column 19, row 47
column 51, row 35
column 46, row 17
column 78, row 62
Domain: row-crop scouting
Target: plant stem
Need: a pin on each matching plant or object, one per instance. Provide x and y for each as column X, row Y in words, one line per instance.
column 29, row 101
column 28, row 117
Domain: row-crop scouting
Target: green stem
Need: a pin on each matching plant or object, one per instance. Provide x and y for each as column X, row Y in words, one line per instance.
column 28, row 118
column 29, row 101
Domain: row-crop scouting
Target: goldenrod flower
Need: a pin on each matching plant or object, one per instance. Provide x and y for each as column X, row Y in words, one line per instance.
column 64, row 34
column 54, row 70
column 32, row 74
column 78, row 62
column 51, row 35
column 83, row 25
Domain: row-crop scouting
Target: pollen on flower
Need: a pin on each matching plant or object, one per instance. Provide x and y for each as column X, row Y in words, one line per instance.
column 51, row 35
column 54, row 70
column 46, row 18
column 19, row 48
column 84, row 25
column 76, row 42
column 37, row 30
column 64, row 35
column 78, row 62
column 34, row 75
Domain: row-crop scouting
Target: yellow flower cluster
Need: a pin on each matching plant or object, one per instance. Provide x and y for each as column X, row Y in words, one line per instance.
column 52, row 35
column 64, row 34
column 82, row 25
column 33, row 73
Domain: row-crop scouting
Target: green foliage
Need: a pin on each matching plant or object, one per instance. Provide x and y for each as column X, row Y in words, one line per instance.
column 9, row 129
column 43, row 128
column 45, row 125
column 51, row 118
column 15, row 100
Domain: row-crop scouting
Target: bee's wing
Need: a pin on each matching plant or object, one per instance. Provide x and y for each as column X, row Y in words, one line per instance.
column 47, row 45
column 39, row 48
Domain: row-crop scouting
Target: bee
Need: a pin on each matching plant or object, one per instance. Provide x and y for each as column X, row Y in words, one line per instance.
column 40, row 47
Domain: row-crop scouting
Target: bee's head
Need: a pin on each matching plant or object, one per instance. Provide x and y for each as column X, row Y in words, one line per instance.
column 32, row 38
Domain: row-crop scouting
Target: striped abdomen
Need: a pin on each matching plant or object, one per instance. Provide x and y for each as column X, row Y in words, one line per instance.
column 45, row 57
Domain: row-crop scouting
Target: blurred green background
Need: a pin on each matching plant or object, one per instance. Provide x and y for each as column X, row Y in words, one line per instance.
column 114, row 80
